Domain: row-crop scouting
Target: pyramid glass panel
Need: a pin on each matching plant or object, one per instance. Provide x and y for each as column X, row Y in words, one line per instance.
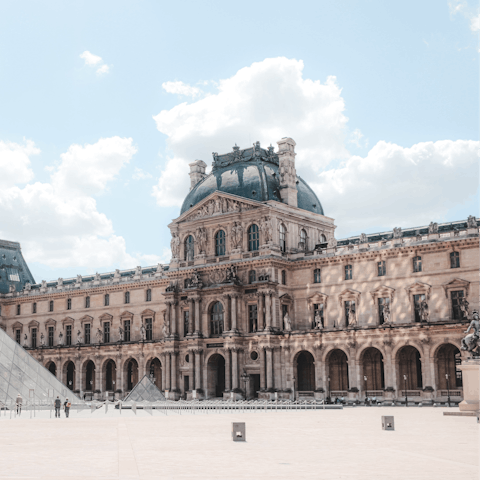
column 21, row 374
column 145, row 391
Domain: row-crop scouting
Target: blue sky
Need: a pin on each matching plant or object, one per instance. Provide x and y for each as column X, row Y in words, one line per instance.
column 381, row 97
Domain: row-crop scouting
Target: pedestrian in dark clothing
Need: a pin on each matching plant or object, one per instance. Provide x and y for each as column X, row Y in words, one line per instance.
column 19, row 401
column 66, row 407
column 58, row 405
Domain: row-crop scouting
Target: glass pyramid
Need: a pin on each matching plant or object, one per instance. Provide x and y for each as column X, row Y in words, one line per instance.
column 21, row 374
column 145, row 391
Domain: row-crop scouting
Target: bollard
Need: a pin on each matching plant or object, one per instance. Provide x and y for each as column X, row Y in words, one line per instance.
column 238, row 432
column 387, row 422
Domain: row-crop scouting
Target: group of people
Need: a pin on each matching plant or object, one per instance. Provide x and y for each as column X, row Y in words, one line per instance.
column 57, row 405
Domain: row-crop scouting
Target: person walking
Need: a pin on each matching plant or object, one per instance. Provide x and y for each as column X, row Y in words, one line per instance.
column 18, row 402
column 66, row 407
column 58, row 405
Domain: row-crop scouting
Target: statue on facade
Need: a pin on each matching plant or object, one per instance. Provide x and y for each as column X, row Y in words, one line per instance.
column 201, row 239
column 332, row 242
column 120, row 334
column 138, row 271
column 143, row 332
column 175, row 245
column 231, row 275
column 397, row 232
column 433, row 227
column 60, row 282
column 363, row 238
column 165, row 327
column 42, row 340
column 267, row 229
column 99, row 335
column 287, row 323
column 25, row 340
column 471, row 222
column 173, row 287
column 463, row 304
column 236, row 235
column 471, row 343
column 28, row 287
column 424, row 312
column 11, row 288
column 79, row 279
column 44, row 284
column 79, row 337
column 351, row 315
column 386, row 313
column 97, row 277
column 318, row 321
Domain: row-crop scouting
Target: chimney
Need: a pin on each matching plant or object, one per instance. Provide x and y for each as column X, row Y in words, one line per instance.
column 197, row 172
column 288, row 174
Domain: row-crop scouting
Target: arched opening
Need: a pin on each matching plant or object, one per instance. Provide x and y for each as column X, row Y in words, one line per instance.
column 220, row 243
column 216, row 319
column 303, row 240
column 338, row 370
column 372, row 363
column 323, row 238
column 131, row 374
column 447, row 359
column 409, row 368
column 70, row 375
column 90, row 376
column 52, row 368
column 216, row 376
column 189, row 248
column 305, row 372
column 154, row 369
column 110, row 376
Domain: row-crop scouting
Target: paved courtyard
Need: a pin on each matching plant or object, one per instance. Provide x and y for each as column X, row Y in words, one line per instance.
column 331, row 444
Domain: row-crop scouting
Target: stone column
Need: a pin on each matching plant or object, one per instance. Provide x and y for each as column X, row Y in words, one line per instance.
column 78, row 377
column 191, row 315
column 262, row 369
column 174, row 370
column 164, row 371
column 234, row 296
column 388, row 365
column 167, row 372
column 234, row 368
column 228, row 378
column 268, row 311
column 98, row 377
column 277, row 368
column 261, row 319
column 226, row 299
column 173, row 324
column 168, row 303
column 269, row 351
column 198, row 326
column 198, row 369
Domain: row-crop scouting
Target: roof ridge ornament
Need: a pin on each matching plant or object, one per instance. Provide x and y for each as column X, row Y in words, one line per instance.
column 254, row 153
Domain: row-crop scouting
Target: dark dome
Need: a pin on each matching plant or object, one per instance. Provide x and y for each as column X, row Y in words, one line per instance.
column 256, row 180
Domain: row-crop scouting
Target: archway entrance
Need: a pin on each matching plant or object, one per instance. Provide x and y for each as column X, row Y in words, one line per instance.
column 305, row 372
column 372, row 362
column 110, row 376
column 155, row 372
column 52, row 368
column 338, row 370
column 132, row 373
column 216, row 376
column 90, row 376
column 71, row 375
column 409, row 368
column 447, row 359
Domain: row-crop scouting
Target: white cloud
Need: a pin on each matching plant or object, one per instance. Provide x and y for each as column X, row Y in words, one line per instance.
column 265, row 101
column 104, row 69
column 356, row 138
column 139, row 174
column 181, row 88
column 90, row 58
column 396, row 186
column 15, row 163
column 475, row 23
column 58, row 222
column 463, row 8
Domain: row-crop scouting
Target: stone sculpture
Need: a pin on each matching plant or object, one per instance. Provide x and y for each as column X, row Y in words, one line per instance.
column 267, row 229
column 386, row 313
column 99, row 335
column 60, row 338
column 175, row 245
column 79, row 337
column 120, row 334
column 236, row 235
column 42, row 340
column 352, row 318
column 463, row 304
column 363, row 238
column 318, row 322
column 194, row 281
column 332, row 242
column 470, row 342
column 231, row 274
column 11, row 288
column 433, row 227
column 424, row 312
column 25, row 340
column 471, row 222
column 28, row 287
column 201, row 239
column 287, row 323
column 165, row 328
column 143, row 332
column 397, row 232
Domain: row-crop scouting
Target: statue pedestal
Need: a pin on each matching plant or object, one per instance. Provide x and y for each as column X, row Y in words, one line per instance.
column 236, row 254
column 471, row 385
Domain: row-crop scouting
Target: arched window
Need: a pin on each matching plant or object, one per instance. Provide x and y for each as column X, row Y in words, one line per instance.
column 127, row 297
column 323, row 238
column 253, row 238
column 252, row 276
column 87, row 302
column 284, row 277
column 189, row 248
column 107, row 300
column 454, row 260
column 216, row 319
column 220, row 243
column 283, row 243
column 317, row 276
column 149, row 295
column 303, row 240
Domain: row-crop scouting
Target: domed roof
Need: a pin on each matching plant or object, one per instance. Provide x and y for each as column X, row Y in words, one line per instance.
column 251, row 173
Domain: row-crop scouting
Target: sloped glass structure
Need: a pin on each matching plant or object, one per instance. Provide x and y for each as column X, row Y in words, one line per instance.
column 21, row 374
column 145, row 391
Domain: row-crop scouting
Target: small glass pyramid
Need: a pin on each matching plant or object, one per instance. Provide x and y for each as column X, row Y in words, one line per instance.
column 145, row 391
column 21, row 374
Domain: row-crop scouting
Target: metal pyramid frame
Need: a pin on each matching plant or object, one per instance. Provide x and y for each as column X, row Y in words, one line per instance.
column 145, row 391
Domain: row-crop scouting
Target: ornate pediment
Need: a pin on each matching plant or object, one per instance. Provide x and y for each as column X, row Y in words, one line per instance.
column 456, row 283
column 419, row 288
column 105, row 317
column 349, row 294
column 86, row 319
column 383, row 291
column 126, row 314
column 218, row 204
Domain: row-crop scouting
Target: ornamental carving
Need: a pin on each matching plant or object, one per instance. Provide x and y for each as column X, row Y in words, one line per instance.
column 201, row 239
column 236, row 235
column 219, row 205
column 433, row 227
column 267, row 229
column 471, row 222
column 175, row 245
column 397, row 232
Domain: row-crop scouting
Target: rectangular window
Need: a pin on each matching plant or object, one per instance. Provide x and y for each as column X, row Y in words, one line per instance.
column 382, row 269
column 417, row 264
column 454, row 260
column 126, row 330
column 17, row 335
column 87, row 302
column 252, row 276
column 106, row 332
column 127, row 297
column 252, row 318
column 50, row 336
column 284, row 277
column 13, row 274
column 69, row 304
column 107, row 300
column 349, row 307
column 87, row 333
column 186, row 319
column 18, row 309
column 318, row 314
column 348, row 272
column 50, row 306
column 317, row 276
column 382, row 302
column 34, row 338
column 417, row 301
column 149, row 295
column 68, row 335
column 34, row 307
column 148, row 329
column 456, row 310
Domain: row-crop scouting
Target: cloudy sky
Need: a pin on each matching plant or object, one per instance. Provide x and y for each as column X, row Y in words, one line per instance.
column 103, row 105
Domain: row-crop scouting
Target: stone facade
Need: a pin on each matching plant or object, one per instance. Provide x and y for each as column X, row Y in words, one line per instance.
column 260, row 296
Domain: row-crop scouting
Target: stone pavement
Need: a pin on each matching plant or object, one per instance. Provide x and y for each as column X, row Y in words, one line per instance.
column 332, row 444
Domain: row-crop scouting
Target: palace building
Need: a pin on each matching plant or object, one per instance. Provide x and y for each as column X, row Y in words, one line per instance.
column 259, row 299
